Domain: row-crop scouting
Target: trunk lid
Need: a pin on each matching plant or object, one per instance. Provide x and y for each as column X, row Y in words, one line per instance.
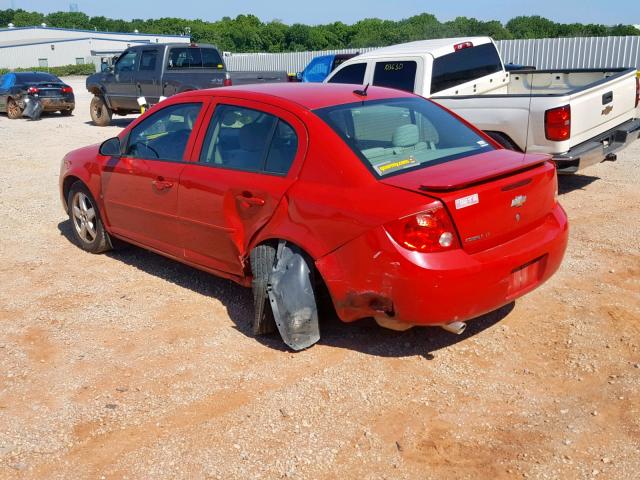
column 48, row 89
column 492, row 197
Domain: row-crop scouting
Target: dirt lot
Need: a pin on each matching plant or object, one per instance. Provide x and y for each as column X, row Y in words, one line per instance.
column 128, row 365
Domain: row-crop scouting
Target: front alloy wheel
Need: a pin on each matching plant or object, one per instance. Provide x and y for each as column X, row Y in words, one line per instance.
column 85, row 217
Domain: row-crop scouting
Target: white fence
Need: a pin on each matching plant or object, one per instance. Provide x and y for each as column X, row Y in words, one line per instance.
column 547, row 53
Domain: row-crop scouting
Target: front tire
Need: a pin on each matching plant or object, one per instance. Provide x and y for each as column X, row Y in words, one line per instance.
column 101, row 114
column 262, row 260
column 86, row 223
column 14, row 111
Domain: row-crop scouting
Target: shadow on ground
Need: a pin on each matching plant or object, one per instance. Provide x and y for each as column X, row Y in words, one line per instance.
column 364, row 336
column 569, row 183
column 115, row 122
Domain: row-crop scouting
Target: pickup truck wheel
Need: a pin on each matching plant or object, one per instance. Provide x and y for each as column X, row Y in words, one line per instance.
column 504, row 140
column 100, row 113
column 13, row 110
column 86, row 223
column 262, row 259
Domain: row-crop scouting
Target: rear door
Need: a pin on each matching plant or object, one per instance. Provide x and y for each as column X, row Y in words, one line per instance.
column 140, row 188
column 249, row 158
column 148, row 74
column 401, row 73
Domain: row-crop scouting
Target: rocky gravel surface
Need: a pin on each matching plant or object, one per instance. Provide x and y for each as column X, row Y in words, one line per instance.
column 131, row 366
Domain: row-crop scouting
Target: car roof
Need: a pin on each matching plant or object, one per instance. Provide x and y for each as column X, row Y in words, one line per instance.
column 310, row 96
column 436, row 47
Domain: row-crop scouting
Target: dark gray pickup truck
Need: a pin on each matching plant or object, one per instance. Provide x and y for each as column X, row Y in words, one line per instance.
column 161, row 70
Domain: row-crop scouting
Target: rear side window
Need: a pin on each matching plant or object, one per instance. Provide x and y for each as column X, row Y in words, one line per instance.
column 353, row 74
column 164, row 135
column 245, row 139
column 148, row 60
column 464, row 66
column 399, row 75
column 194, row 57
column 396, row 135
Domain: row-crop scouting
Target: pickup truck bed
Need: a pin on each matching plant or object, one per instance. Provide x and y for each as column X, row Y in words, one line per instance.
column 600, row 101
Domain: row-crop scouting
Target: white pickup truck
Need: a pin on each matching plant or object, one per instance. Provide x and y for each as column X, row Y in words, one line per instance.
column 580, row 117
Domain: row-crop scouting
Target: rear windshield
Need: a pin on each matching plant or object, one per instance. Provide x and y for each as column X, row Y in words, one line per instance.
column 34, row 77
column 194, row 57
column 400, row 75
column 464, row 66
column 395, row 135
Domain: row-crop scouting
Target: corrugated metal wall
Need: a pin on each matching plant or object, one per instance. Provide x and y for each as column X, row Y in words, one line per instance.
column 548, row 53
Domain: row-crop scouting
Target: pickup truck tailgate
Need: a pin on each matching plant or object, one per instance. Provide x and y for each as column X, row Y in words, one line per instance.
column 608, row 103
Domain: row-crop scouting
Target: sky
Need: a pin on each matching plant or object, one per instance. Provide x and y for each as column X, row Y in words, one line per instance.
column 348, row 11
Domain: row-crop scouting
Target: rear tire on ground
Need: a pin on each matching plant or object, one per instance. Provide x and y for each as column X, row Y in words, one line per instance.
column 86, row 223
column 13, row 109
column 262, row 260
column 504, row 140
column 100, row 113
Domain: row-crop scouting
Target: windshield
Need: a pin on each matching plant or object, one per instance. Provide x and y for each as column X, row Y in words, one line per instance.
column 395, row 135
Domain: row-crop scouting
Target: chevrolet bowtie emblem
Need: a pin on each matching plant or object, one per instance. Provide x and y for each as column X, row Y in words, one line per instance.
column 518, row 201
column 607, row 110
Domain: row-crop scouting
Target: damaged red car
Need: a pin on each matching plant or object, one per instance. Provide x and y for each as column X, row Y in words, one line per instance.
column 396, row 207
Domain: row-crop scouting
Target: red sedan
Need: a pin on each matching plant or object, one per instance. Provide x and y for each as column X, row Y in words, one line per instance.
column 400, row 209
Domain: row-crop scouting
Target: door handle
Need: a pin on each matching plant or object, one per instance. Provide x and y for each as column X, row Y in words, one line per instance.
column 247, row 200
column 162, row 184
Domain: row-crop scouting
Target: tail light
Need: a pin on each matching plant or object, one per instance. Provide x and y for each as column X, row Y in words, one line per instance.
column 557, row 123
column 463, row 45
column 637, row 89
column 227, row 81
column 32, row 90
column 67, row 90
column 428, row 231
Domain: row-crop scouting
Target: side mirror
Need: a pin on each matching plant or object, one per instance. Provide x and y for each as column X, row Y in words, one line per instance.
column 104, row 68
column 111, row 147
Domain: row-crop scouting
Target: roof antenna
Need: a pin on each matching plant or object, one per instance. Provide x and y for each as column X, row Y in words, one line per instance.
column 363, row 92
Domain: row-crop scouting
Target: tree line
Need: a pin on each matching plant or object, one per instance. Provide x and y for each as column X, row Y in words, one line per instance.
column 247, row 33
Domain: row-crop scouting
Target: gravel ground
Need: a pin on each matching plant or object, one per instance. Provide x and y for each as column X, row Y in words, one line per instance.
column 129, row 365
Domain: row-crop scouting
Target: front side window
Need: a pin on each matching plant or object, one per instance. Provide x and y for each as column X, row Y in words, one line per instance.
column 164, row 135
column 126, row 62
column 148, row 60
column 245, row 139
column 353, row 74
column 395, row 135
column 464, row 66
column 400, row 75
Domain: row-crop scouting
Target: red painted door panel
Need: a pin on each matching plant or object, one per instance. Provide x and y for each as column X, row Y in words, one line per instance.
column 221, row 210
column 221, row 205
column 141, row 199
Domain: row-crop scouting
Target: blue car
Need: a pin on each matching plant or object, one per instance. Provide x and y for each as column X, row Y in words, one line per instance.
column 320, row 67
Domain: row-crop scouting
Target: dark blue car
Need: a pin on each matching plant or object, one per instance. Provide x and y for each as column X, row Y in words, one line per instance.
column 53, row 93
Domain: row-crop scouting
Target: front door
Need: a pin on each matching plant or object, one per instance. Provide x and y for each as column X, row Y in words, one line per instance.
column 249, row 157
column 141, row 188
column 121, row 89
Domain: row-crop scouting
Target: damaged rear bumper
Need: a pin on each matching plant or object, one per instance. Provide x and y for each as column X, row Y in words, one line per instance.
column 372, row 276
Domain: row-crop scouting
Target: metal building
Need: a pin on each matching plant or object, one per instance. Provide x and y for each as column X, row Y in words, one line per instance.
column 43, row 46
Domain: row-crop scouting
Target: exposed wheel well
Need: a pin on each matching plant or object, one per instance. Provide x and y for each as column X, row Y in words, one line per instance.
column 322, row 291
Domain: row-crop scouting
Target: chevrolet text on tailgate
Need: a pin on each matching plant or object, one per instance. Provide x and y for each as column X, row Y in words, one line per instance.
column 397, row 208
column 580, row 117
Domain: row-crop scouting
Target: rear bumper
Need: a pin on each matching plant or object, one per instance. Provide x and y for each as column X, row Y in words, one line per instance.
column 598, row 149
column 52, row 104
column 373, row 277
